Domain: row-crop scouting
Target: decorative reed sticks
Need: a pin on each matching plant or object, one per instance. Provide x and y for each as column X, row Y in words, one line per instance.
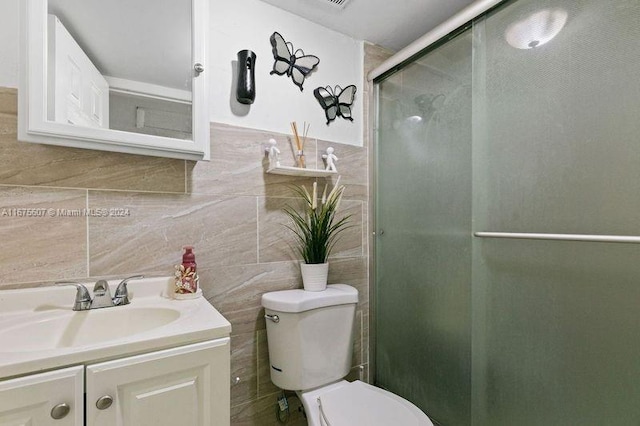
column 300, row 161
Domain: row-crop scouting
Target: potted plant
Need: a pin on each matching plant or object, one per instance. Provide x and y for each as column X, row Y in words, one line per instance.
column 316, row 229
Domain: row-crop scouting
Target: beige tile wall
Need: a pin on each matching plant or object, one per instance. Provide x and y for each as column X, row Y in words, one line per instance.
column 228, row 208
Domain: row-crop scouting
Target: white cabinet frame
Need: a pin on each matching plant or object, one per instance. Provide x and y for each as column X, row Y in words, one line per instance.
column 29, row 400
column 187, row 386
column 33, row 125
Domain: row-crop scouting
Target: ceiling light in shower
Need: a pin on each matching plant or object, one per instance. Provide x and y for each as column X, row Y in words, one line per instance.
column 536, row 29
column 406, row 123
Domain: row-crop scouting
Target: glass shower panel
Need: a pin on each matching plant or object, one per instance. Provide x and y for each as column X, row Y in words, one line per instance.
column 556, row 150
column 423, row 247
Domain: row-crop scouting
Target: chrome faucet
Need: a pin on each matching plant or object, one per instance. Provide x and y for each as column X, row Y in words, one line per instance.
column 101, row 294
column 83, row 298
column 121, row 297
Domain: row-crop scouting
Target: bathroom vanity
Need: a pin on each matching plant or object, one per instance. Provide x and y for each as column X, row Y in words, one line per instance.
column 156, row 361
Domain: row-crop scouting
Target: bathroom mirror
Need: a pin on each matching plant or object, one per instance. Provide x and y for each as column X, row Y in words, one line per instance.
column 116, row 76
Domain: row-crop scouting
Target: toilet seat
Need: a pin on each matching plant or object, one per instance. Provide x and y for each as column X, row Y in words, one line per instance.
column 358, row 403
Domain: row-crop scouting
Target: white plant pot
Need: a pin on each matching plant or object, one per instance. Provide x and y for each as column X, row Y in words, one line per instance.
column 314, row 276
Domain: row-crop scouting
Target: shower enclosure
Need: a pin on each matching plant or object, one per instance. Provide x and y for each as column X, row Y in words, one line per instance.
column 507, row 216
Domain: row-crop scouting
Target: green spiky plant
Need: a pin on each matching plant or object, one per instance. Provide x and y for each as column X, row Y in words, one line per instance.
column 316, row 227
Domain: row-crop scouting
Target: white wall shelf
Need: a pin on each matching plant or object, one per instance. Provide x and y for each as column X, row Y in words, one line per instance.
column 297, row 171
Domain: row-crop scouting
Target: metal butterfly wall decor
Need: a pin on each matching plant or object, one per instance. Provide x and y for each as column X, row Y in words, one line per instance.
column 294, row 64
column 336, row 102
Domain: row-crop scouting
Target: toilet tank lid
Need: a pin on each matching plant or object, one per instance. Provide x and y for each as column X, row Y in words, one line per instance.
column 301, row 300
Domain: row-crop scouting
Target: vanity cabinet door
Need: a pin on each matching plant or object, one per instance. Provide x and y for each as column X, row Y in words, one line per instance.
column 33, row 400
column 186, row 386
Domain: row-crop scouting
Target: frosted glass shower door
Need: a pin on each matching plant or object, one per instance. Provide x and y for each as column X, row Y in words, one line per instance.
column 423, row 243
column 556, row 325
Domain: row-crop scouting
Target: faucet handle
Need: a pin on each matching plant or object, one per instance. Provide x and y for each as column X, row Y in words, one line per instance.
column 82, row 294
column 123, row 283
column 121, row 295
column 83, row 298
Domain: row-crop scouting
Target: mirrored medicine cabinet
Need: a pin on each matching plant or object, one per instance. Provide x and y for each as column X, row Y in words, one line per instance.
column 116, row 75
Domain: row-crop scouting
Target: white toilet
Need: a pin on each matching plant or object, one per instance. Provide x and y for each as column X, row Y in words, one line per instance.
column 310, row 337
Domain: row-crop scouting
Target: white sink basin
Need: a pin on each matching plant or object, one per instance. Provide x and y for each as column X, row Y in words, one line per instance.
column 64, row 329
column 39, row 329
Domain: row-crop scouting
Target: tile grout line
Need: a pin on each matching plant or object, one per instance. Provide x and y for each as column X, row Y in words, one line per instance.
column 78, row 188
column 255, row 336
column 362, row 229
column 257, row 229
column 87, row 230
column 361, row 337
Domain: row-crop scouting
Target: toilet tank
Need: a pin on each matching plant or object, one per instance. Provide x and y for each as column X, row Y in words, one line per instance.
column 311, row 340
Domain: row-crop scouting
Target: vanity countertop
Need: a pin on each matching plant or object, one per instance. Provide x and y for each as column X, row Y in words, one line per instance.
column 40, row 331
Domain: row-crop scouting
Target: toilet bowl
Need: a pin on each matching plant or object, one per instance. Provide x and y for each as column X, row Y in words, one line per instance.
column 358, row 403
column 310, row 340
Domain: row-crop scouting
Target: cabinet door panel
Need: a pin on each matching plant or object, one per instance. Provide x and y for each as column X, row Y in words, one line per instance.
column 27, row 401
column 187, row 386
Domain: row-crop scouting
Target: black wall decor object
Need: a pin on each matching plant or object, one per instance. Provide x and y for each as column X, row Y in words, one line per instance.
column 336, row 102
column 294, row 64
column 246, row 88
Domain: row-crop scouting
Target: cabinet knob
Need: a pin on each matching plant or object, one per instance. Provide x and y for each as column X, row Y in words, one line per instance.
column 104, row 402
column 60, row 411
column 199, row 68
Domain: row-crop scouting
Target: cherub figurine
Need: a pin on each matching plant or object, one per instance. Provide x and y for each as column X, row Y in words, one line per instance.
column 330, row 159
column 274, row 153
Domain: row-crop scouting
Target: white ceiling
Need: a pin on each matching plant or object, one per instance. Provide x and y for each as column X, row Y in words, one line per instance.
column 389, row 23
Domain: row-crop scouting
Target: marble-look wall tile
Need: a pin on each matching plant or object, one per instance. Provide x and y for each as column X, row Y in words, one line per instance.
column 353, row 271
column 236, row 291
column 8, row 101
column 352, row 168
column 262, row 412
column 23, row 163
column 368, row 122
column 238, row 164
column 356, row 357
column 276, row 242
column 374, row 55
column 358, row 372
column 265, row 385
column 150, row 238
column 349, row 243
column 43, row 233
column 366, row 373
column 366, row 230
column 243, row 367
column 365, row 338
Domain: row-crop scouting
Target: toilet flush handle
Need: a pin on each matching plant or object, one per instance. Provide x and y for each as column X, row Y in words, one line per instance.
column 273, row 318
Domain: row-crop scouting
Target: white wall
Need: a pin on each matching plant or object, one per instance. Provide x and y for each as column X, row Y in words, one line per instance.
column 9, row 42
column 248, row 24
